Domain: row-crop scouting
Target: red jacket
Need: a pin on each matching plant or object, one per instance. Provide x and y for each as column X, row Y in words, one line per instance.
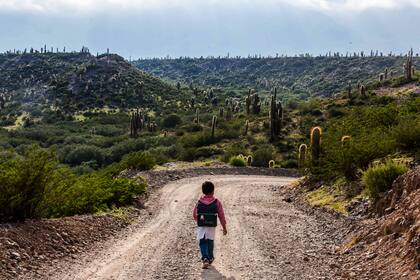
column 208, row 199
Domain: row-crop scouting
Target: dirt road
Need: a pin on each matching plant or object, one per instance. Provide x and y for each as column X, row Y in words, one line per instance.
column 268, row 238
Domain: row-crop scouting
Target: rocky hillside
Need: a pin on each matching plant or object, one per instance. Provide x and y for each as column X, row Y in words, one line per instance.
column 319, row 76
column 75, row 81
column 388, row 246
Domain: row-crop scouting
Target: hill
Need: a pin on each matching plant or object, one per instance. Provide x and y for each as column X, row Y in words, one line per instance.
column 75, row 81
column 314, row 76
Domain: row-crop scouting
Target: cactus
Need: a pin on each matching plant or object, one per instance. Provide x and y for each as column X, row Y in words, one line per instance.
column 349, row 91
column 256, row 104
column 249, row 160
column 197, row 116
column 229, row 113
column 213, row 126
column 362, row 91
column 408, row 66
column 221, row 112
column 381, row 77
column 271, row 164
column 246, row 127
column 136, row 123
column 248, row 102
column 345, row 138
column 302, row 155
column 316, row 133
column 276, row 117
column 386, row 73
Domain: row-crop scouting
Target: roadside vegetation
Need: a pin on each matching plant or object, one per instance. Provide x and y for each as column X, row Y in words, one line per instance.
column 62, row 153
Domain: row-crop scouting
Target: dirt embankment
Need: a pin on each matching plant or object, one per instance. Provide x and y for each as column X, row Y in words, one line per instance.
column 388, row 246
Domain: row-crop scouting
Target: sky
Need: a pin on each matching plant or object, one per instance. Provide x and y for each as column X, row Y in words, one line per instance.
column 157, row 28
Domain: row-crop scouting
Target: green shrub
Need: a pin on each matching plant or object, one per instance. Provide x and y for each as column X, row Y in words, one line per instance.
column 24, row 180
column 378, row 178
column 171, row 121
column 407, row 133
column 90, row 194
column 84, row 153
column 35, row 185
column 138, row 161
column 237, row 161
column 263, row 155
column 207, row 151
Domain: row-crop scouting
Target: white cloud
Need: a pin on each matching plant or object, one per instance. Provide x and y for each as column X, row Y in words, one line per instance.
column 91, row 6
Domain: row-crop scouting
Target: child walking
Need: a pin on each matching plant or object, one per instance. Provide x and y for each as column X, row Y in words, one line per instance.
column 205, row 213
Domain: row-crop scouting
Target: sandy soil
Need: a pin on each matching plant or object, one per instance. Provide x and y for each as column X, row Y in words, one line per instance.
column 268, row 238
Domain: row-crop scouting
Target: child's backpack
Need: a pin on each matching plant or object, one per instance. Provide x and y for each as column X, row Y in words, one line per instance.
column 207, row 214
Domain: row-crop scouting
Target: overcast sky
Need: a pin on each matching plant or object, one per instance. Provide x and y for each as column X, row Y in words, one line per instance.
column 147, row 28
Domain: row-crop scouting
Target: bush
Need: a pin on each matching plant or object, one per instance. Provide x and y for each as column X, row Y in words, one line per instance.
column 24, row 180
column 237, row 161
column 35, row 185
column 171, row 121
column 138, row 161
column 378, row 178
column 263, row 155
column 90, row 194
column 84, row 153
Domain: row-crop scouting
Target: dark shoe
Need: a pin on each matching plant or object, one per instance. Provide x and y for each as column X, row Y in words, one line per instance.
column 206, row 263
column 211, row 260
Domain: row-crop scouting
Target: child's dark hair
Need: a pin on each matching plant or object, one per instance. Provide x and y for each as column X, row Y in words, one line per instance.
column 207, row 187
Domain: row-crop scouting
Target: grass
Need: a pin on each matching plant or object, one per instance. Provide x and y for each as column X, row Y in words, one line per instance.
column 323, row 197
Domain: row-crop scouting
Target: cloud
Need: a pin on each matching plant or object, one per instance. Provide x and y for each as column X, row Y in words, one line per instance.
column 111, row 6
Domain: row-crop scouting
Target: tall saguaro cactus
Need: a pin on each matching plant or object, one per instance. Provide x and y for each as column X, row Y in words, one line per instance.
column 197, row 116
column 136, row 123
column 302, row 155
column 316, row 133
column 213, row 126
column 276, row 116
column 248, row 102
column 408, row 66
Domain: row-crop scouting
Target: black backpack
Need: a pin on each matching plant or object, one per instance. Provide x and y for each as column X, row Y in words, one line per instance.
column 207, row 214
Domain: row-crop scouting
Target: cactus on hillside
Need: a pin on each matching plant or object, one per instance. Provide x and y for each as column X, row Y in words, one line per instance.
column 248, row 102
column 316, row 134
column 362, row 91
column 345, row 138
column 246, row 127
column 249, row 160
column 302, row 155
column 408, row 66
column 256, row 104
column 136, row 123
column 213, row 126
column 197, row 116
column 349, row 91
column 386, row 73
column 221, row 112
column 381, row 77
column 276, row 117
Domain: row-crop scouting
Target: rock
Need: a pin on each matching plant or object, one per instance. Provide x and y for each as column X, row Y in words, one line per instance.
column 287, row 199
column 15, row 255
column 305, row 258
column 371, row 256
